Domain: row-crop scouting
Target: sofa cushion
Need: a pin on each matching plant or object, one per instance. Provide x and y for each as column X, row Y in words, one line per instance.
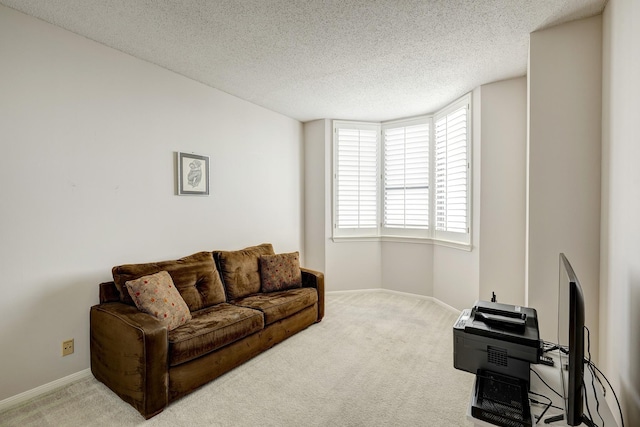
column 278, row 305
column 156, row 295
column 280, row 272
column 241, row 269
column 195, row 277
column 210, row 329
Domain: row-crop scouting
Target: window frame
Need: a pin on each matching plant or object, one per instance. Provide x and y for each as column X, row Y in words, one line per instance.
column 356, row 232
column 429, row 235
column 449, row 236
column 410, row 232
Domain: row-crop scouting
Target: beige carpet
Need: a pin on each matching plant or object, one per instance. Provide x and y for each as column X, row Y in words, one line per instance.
column 377, row 359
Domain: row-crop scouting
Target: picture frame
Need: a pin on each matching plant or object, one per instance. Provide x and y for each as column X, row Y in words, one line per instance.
column 192, row 174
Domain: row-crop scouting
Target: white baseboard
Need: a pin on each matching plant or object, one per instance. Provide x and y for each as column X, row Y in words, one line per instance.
column 389, row 291
column 353, row 291
column 45, row 388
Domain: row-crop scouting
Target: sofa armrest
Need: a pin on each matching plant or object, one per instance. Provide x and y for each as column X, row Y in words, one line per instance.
column 315, row 279
column 108, row 292
column 129, row 354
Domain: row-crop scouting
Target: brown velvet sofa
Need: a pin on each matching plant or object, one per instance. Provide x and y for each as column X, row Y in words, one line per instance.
column 232, row 320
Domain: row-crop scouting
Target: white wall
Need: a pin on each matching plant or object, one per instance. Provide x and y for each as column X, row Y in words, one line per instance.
column 407, row 267
column 503, row 144
column 565, row 82
column 620, row 259
column 315, row 212
column 455, row 277
column 88, row 136
column 353, row 266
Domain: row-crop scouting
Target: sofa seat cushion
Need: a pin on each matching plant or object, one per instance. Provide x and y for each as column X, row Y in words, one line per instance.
column 210, row 329
column 278, row 305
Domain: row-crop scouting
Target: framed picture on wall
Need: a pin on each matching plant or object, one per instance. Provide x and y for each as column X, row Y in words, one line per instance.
column 192, row 174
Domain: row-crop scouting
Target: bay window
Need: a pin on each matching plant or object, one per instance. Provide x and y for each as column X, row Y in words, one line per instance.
column 405, row 179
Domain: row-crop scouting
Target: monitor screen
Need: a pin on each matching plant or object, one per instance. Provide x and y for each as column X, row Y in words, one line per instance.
column 571, row 340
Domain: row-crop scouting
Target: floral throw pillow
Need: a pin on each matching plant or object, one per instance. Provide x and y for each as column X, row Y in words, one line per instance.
column 280, row 272
column 156, row 294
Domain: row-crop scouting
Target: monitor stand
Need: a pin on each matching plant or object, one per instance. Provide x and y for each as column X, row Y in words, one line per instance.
column 586, row 421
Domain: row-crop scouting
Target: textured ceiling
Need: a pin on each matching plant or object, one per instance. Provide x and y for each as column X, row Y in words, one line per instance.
column 347, row 59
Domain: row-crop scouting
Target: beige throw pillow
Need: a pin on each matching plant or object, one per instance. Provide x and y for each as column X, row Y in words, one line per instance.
column 280, row 272
column 157, row 295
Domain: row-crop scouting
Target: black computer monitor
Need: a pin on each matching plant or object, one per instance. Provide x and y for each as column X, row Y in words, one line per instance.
column 571, row 340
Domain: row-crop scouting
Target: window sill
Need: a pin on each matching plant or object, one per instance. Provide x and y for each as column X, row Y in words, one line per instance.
column 356, row 239
column 405, row 239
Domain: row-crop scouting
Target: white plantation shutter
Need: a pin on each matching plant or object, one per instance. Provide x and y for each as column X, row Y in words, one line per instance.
column 356, row 179
column 452, row 173
column 406, row 176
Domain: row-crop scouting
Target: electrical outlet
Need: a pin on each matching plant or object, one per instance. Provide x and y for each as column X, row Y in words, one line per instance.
column 67, row 347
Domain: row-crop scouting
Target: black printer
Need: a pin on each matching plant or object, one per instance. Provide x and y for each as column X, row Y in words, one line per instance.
column 496, row 337
column 498, row 343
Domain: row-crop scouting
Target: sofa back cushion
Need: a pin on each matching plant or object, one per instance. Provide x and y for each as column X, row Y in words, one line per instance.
column 240, row 269
column 195, row 276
